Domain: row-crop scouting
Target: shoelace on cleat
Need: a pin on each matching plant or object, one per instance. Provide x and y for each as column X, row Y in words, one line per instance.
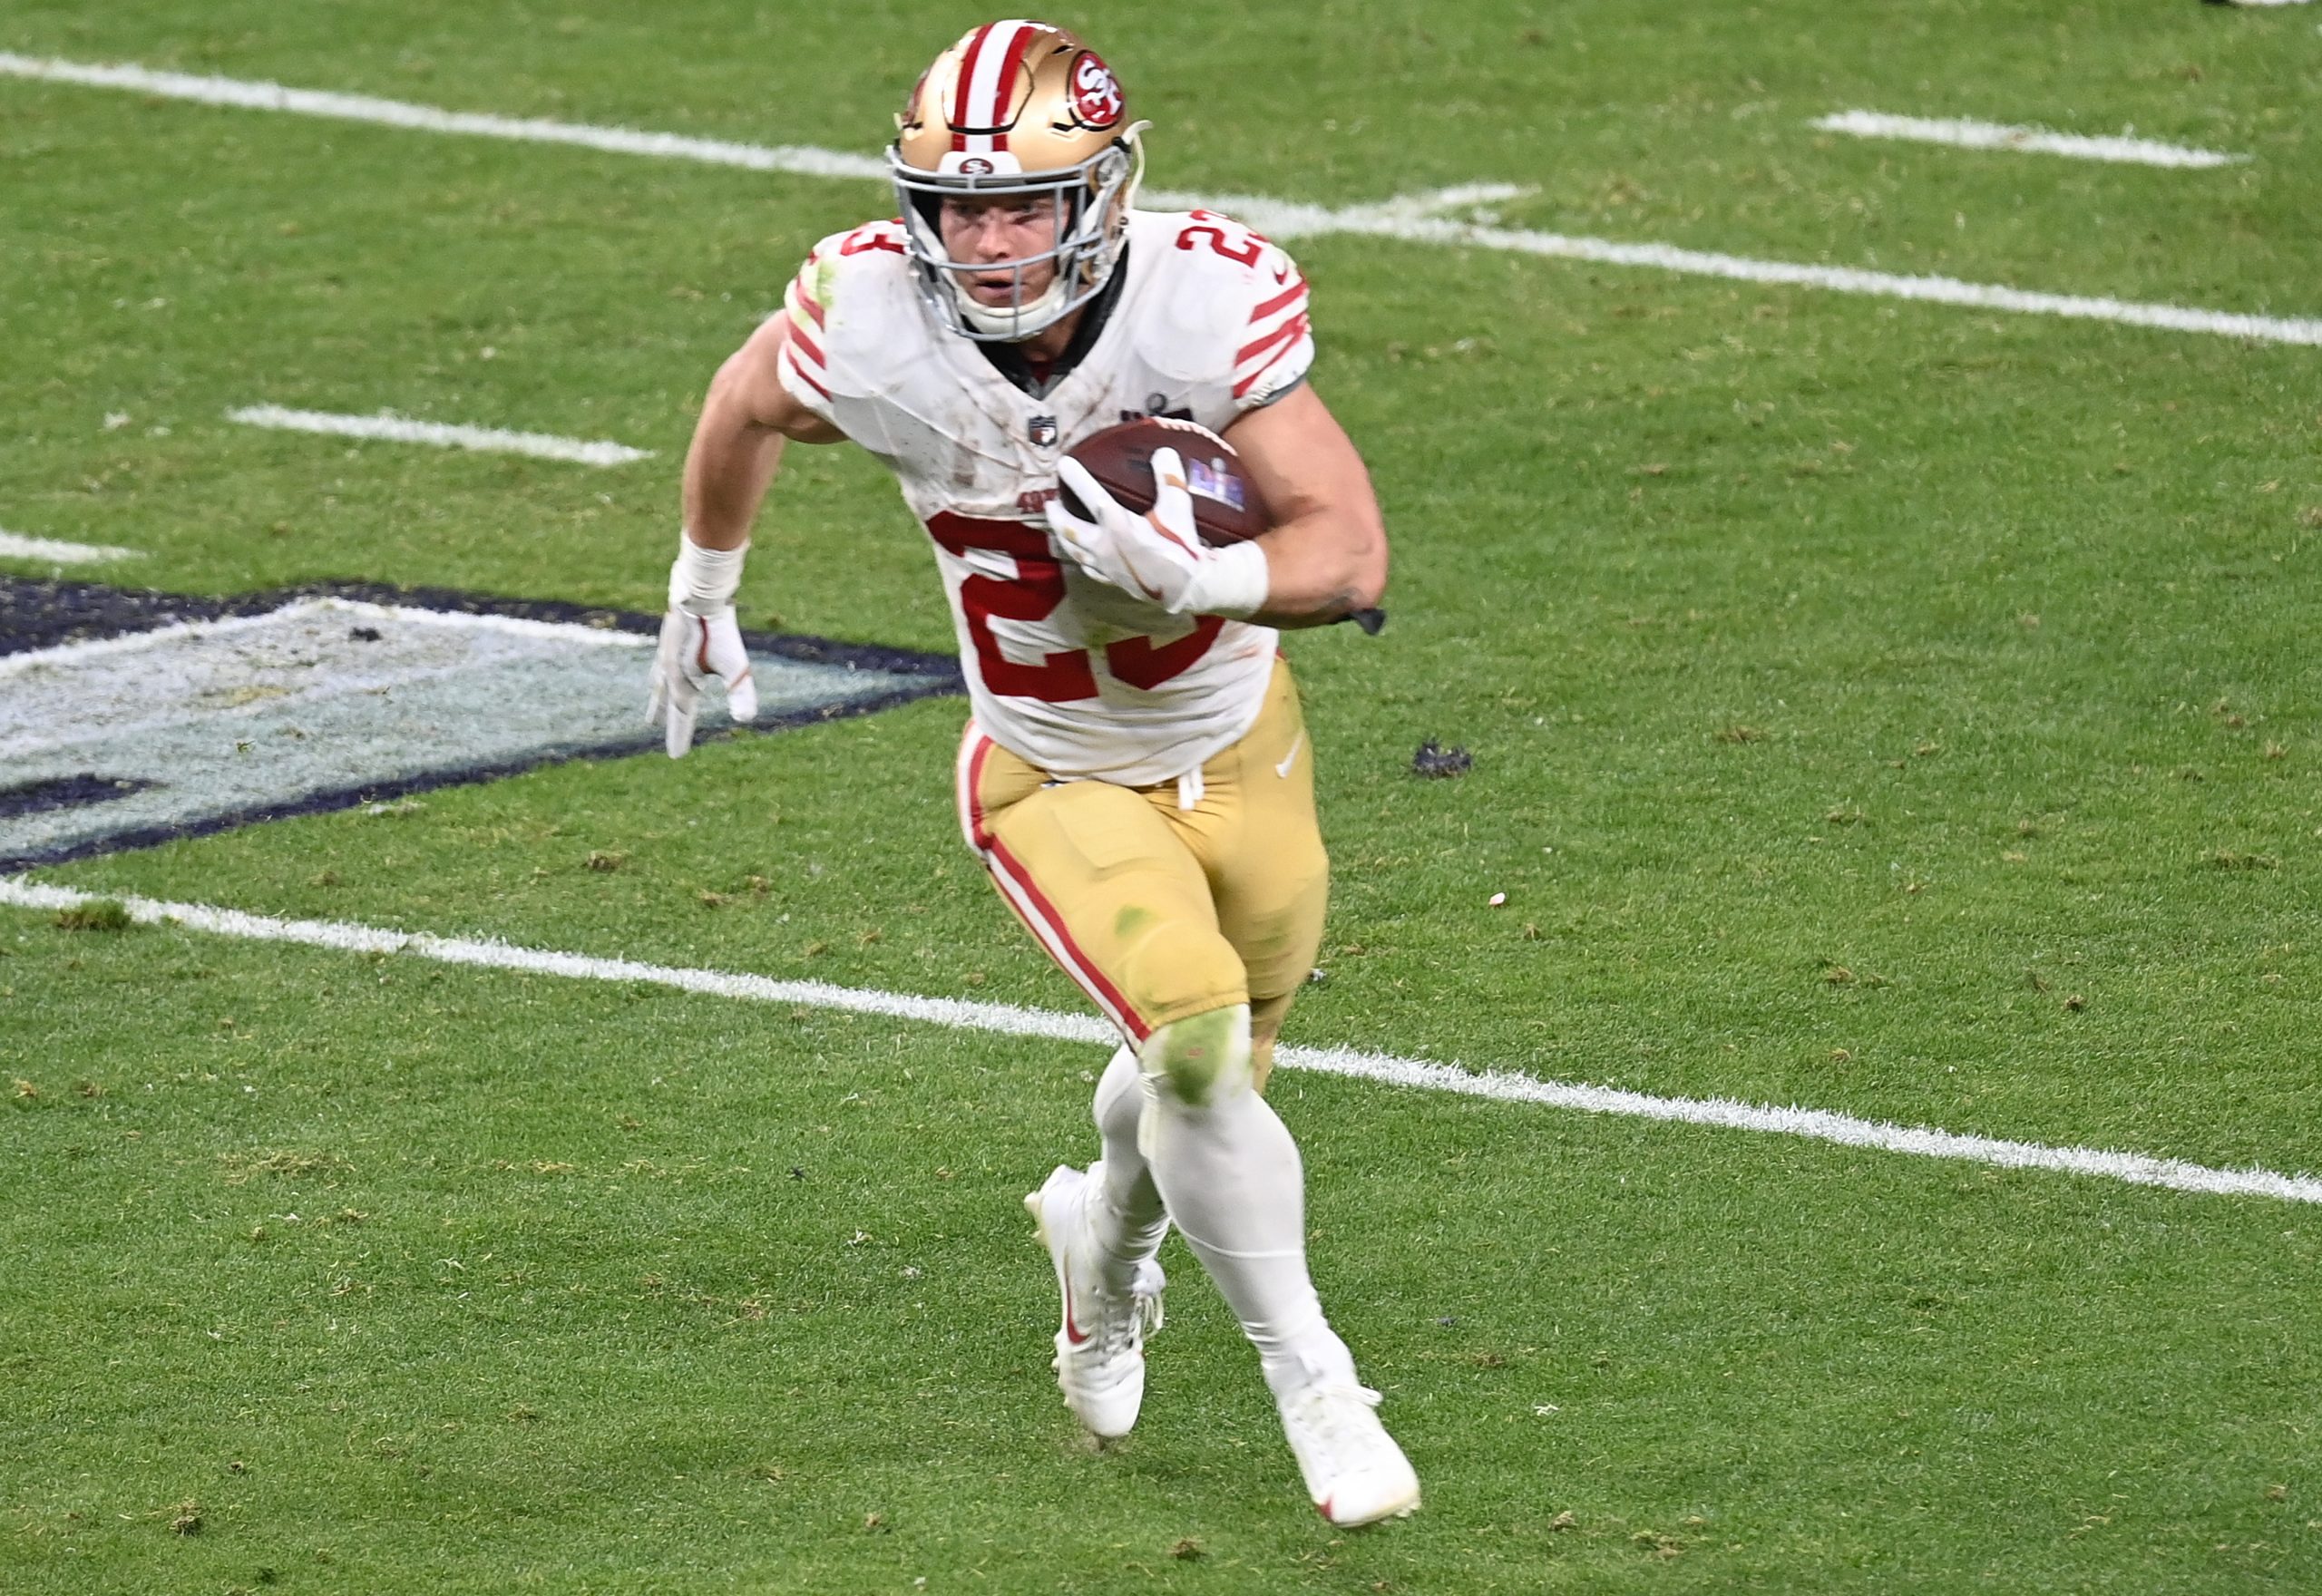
column 1321, row 1410
column 1144, row 1296
column 1119, row 1331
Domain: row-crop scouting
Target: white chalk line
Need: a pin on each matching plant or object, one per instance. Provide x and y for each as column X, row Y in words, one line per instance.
column 1004, row 1019
column 1413, row 219
column 395, row 429
column 1967, row 134
column 396, row 113
column 15, row 546
column 82, row 648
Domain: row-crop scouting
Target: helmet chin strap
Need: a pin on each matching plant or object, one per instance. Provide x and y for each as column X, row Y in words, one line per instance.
column 1004, row 319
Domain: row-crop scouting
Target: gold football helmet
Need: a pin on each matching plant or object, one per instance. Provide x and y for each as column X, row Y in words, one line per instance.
column 1016, row 108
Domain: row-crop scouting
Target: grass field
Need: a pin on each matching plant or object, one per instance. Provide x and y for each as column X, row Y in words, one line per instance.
column 1904, row 710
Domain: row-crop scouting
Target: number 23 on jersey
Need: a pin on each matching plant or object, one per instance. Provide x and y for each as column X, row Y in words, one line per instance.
column 1033, row 594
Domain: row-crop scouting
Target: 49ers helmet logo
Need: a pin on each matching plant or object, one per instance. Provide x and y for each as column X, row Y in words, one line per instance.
column 1096, row 93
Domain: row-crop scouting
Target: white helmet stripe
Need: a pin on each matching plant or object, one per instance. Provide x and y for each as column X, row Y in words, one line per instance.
column 986, row 75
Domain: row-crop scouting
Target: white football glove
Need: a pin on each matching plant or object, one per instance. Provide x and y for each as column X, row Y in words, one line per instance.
column 700, row 639
column 1159, row 556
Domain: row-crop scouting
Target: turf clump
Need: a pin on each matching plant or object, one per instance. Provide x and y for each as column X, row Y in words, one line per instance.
column 99, row 914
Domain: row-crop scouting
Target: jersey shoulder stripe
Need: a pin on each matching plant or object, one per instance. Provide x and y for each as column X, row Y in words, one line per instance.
column 842, row 306
column 800, row 298
column 1294, row 294
column 1236, row 305
column 794, row 366
column 1270, row 364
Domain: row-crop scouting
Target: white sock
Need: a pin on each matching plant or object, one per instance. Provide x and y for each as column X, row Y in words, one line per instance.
column 1236, row 1190
column 1126, row 1215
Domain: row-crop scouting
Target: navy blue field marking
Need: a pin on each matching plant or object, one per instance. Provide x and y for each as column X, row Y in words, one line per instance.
column 45, row 613
column 67, row 793
column 35, row 615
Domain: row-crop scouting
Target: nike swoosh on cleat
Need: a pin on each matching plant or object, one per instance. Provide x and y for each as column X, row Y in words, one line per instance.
column 1072, row 1332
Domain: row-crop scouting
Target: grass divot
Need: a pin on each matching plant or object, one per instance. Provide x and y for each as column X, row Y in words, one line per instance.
column 101, row 914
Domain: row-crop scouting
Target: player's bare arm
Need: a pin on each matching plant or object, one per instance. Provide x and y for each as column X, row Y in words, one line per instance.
column 737, row 443
column 737, row 447
column 1326, row 556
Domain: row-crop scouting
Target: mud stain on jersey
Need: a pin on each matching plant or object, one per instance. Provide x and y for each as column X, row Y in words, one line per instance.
column 130, row 717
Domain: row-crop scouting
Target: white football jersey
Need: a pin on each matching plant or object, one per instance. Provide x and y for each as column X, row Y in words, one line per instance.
column 1077, row 677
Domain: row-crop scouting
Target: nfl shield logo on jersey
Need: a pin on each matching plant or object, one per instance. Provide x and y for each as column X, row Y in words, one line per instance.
column 1043, row 431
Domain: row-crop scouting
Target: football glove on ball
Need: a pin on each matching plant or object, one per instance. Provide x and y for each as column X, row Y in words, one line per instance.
column 1158, row 556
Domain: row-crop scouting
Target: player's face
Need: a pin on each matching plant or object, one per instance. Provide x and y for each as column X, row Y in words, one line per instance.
column 996, row 231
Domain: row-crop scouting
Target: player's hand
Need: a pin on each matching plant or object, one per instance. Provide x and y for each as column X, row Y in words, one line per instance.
column 694, row 649
column 1158, row 556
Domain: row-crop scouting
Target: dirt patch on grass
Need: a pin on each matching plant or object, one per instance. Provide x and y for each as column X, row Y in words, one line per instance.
column 289, row 1164
column 102, row 914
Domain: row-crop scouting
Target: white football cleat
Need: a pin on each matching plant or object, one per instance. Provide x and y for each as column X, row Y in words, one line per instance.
column 1353, row 1470
column 1100, row 1345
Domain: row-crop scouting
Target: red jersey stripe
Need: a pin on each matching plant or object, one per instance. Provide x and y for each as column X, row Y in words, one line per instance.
column 1286, row 296
column 805, row 375
column 1287, row 332
column 807, row 302
column 1247, row 383
column 804, row 344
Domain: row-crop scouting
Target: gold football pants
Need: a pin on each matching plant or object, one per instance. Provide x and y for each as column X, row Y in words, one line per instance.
column 1160, row 912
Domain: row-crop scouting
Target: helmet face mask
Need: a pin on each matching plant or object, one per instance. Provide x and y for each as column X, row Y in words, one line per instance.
column 1014, row 110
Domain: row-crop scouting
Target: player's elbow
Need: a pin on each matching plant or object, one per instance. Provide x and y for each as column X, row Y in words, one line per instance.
column 1365, row 581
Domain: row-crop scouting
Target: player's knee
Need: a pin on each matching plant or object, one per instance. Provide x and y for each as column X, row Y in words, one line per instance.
column 1201, row 1060
column 1266, row 1015
column 1175, row 966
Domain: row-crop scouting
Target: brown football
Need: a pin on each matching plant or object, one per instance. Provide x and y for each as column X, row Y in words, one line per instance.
column 1226, row 508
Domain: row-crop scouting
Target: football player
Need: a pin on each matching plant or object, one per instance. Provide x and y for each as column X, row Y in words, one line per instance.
column 1135, row 775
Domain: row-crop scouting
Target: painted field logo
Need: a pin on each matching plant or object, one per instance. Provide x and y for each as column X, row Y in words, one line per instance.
column 185, row 716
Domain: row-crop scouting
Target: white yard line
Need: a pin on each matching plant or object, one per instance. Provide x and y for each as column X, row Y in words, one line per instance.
column 395, row 429
column 1932, row 290
column 13, row 546
column 396, row 113
column 1412, row 219
column 82, row 648
column 1814, row 1124
column 1993, row 135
